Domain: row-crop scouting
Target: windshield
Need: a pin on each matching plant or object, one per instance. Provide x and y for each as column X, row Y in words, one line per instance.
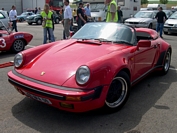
column 112, row 32
column 173, row 16
column 143, row 15
column 96, row 6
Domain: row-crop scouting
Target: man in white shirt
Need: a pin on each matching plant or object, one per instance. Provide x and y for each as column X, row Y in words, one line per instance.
column 13, row 18
column 67, row 18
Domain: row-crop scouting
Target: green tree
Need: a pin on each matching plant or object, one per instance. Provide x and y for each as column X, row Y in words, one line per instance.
column 164, row 1
column 144, row 2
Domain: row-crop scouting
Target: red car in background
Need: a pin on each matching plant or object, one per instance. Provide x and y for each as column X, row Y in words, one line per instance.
column 95, row 68
column 14, row 41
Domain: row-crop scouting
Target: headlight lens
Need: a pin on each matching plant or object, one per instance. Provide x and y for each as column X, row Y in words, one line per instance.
column 82, row 75
column 18, row 60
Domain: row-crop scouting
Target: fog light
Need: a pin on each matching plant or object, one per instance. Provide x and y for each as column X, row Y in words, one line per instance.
column 67, row 105
column 70, row 98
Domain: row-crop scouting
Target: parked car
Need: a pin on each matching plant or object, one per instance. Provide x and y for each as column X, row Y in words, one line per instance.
column 23, row 16
column 4, row 17
column 37, row 18
column 170, row 25
column 14, row 42
column 168, row 13
column 93, row 69
column 145, row 19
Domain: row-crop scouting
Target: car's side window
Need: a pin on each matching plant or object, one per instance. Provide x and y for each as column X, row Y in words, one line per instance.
column 2, row 16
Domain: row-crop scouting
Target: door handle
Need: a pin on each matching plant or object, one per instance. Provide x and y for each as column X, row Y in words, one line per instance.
column 155, row 46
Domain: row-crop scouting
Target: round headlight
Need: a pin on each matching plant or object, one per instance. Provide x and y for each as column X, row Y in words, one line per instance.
column 82, row 75
column 18, row 60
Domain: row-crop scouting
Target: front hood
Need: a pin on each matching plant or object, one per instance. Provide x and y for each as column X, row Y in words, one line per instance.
column 138, row 20
column 61, row 61
column 171, row 21
column 33, row 16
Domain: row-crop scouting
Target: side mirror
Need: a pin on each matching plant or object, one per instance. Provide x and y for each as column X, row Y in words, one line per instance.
column 144, row 43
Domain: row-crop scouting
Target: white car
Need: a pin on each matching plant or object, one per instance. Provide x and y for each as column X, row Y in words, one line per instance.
column 170, row 25
column 4, row 17
column 143, row 19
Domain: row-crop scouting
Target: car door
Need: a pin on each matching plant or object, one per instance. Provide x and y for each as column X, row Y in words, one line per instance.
column 4, row 19
column 145, row 57
column 154, row 23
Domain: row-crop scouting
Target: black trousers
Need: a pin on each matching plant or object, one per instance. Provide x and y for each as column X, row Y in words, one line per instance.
column 14, row 25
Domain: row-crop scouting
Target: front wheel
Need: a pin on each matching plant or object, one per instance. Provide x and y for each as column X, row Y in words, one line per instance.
column 18, row 46
column 165, row 33
column 150, row 26
column 57, row 20
column 39, row 22
column 118, row 92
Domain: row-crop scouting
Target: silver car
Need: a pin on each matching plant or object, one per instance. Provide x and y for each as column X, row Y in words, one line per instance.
column 170, row 25
column 4, row 17
column 144, row 19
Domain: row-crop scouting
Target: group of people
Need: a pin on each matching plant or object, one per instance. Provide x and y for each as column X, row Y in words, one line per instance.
column 81, row 16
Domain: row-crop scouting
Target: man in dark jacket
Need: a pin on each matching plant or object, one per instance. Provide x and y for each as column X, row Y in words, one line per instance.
column 120, row 14
column 161, row 18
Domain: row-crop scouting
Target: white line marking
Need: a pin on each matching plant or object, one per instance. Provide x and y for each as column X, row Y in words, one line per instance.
column 175, row 69
column 31, row 46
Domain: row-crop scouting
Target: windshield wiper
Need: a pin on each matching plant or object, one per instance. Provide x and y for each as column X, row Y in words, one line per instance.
column 172, row 18
column 122, row 42
column 103, row 40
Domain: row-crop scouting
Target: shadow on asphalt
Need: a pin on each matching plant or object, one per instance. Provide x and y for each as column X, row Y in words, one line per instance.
column 143, row 97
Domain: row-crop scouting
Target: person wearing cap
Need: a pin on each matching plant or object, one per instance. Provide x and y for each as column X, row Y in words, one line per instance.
column 112, row 11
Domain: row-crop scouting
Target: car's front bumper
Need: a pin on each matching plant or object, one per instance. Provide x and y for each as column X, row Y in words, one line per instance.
column 31, row 21
column 138, row 25
column 73, row 100
column 170, row 29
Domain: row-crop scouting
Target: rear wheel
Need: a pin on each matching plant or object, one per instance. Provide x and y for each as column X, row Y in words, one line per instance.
column 167, row 61
column 29, row 23
column 57, row 20
column 118, row 92
column 18, row 46
column 39, row 22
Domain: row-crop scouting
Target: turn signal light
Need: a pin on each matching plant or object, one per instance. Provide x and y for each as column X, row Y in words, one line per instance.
column 99, row 19
column 70, row 98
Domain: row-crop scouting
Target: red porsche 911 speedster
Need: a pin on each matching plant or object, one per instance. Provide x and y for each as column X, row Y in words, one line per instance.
column 95, row 68
column 14, row 41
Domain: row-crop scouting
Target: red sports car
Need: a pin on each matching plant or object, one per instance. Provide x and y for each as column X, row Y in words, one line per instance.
column 14, row 41
column 95, row 68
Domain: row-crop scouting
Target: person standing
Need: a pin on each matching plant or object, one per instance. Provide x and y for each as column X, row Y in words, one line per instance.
column 74, row 15
column 87, row 11
column 36, row 10
column 67, row 19
column 13, row 18
column 161, row 18
column 80, row 16
column 112, row 11
column 47, row 23
column 120, row 15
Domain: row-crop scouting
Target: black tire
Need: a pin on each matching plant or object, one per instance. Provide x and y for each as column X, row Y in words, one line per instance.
column 57, row 21
column 166, row 33
column 150, row 26
column 118, row 93
column 18, row 45
column 39, row 22
column 166, row 65
column 30, row 23
column 20, row 20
